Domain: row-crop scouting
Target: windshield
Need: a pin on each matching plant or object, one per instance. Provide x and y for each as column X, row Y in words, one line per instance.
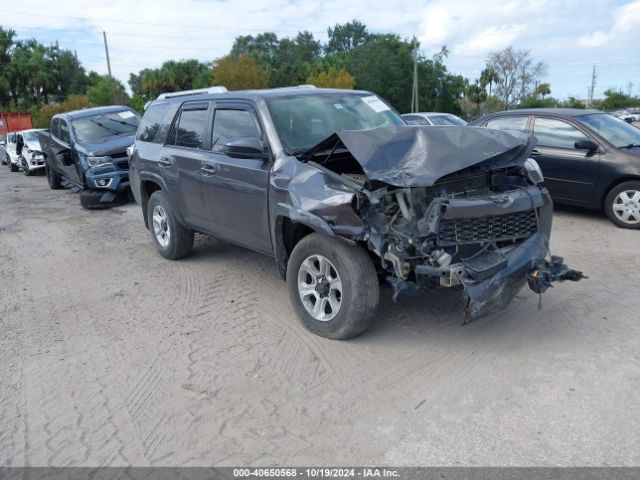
column 303, row 121
column 104, row 125
column 30, row 137
column 617, row 132
column 446, row 120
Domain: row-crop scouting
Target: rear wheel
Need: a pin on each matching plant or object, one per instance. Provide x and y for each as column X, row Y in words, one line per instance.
column 333, row 286
column 5, row 159
column 622, row 205
column 171, row 238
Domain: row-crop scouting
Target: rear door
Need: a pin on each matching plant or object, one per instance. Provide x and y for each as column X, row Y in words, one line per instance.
column 235, row 189
column 61, row 148
column 180, row 160
column 569, row 174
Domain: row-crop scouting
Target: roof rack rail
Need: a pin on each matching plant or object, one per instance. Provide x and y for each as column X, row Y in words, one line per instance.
column 198, row 91
column 307, row 85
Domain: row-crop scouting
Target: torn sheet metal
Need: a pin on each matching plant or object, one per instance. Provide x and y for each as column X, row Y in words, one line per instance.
column 417, row 156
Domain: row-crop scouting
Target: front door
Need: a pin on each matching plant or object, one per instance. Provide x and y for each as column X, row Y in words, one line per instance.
column 569, row 174
column 65, row 155
column 235, row 189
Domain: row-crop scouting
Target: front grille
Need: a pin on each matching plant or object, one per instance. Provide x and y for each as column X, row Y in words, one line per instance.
column 460, row 231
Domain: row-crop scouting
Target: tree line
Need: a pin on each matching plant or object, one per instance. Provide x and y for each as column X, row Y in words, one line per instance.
column 46, row 79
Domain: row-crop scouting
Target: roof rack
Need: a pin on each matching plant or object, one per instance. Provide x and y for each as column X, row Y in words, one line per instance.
column 198, row 91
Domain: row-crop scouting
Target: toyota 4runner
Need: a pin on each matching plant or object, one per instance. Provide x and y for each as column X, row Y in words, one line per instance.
column 343, row 194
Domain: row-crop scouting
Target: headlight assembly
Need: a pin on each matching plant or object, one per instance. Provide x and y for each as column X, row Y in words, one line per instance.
column 99, row 161
column 533, row 170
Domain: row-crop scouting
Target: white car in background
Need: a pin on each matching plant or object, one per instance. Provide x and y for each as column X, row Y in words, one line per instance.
column 433, row 118
column 23, row 151
column 8, row 151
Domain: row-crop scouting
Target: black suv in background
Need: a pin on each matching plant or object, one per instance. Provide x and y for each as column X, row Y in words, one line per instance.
column 588, row 158
column 336, row 187
column 87, row 149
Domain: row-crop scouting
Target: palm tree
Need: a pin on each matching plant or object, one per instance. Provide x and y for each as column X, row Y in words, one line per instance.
column 543, row 89
column 488, row 77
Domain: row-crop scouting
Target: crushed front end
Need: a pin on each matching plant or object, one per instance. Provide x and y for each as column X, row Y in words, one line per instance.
column 483, row 228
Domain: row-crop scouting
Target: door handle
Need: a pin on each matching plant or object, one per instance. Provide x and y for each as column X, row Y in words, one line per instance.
column 208, row 170
column 535, row 153
column 165, row 161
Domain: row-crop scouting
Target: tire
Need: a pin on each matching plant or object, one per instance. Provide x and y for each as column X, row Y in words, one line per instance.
column 53, row 177
column 90, row 199
column 622, row 205
column 25, row 167
column 349, row 270
column 170, row 237
column 13, row 167
column 5, row 159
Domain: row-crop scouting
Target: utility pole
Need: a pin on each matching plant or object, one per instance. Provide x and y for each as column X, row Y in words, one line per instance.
column 414, row 94
column 106, row 50
column 593, row 87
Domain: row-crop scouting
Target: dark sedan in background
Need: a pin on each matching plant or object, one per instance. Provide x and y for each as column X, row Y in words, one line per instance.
column 588, row 158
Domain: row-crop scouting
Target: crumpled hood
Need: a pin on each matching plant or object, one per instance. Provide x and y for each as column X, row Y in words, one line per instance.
column 417, row 156
column 33, row 146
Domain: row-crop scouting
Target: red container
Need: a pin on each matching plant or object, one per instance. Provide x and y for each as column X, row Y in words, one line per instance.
column 14, row 121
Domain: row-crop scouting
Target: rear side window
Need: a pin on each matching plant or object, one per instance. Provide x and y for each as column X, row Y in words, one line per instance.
column 416, row 119
column 189, row 127
column 150, row 124
column 228, row 124
column 556, row 133
column 509, row 123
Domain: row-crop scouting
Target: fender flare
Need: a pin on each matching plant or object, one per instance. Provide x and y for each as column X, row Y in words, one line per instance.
column 144, row 199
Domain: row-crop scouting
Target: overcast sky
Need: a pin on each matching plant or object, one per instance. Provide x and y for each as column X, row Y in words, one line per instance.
column 569, row 35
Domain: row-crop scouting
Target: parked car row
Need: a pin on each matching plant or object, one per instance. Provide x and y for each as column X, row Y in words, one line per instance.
column 85, row 150
column 345, row 193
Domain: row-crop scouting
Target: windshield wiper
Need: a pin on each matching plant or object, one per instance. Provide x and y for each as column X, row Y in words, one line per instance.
column 631, row 145
column 115, row 132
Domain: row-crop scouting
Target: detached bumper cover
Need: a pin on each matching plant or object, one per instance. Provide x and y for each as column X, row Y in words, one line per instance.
column 524, row 264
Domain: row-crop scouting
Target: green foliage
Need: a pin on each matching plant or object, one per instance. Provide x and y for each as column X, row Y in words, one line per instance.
column 535, row 102
column 107, row 91
column 239, row 73
column 573, row 102
column 332, row 78
column 170, row 77
column 42, row 116
column 543, row 90
column 616, row 99
column 138, row 102
column 32, row 73
column 347, row 37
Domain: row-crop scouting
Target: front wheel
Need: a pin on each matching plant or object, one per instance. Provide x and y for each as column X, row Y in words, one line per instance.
column 171, row 238
column 53, row 177
column 333, row 286
column 622, row 205
column 13, row 166
column 25, row 167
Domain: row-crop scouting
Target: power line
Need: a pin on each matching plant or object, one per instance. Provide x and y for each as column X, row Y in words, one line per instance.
column 132, row 22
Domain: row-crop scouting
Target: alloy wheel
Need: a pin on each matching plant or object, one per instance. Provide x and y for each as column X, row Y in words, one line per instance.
column 161, row 227
column 320, row 288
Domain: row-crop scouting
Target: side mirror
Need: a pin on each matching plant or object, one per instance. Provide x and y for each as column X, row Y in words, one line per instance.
column 585, row 145
column 244, row 147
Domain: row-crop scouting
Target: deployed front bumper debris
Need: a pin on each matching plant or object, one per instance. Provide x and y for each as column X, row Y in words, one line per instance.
column 493, row 279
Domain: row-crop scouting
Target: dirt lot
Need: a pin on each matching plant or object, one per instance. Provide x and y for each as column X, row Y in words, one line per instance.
column 111, row 355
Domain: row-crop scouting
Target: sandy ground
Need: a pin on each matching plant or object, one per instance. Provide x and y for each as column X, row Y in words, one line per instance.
column 111, row 355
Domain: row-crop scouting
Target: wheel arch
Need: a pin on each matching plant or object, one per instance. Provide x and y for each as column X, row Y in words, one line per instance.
column 147, row 187
column 614, row 184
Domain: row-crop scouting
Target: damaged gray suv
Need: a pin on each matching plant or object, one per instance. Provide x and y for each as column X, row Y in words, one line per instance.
column 345, row 196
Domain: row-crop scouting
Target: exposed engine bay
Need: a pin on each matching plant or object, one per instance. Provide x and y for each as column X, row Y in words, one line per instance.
column 448, row 226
